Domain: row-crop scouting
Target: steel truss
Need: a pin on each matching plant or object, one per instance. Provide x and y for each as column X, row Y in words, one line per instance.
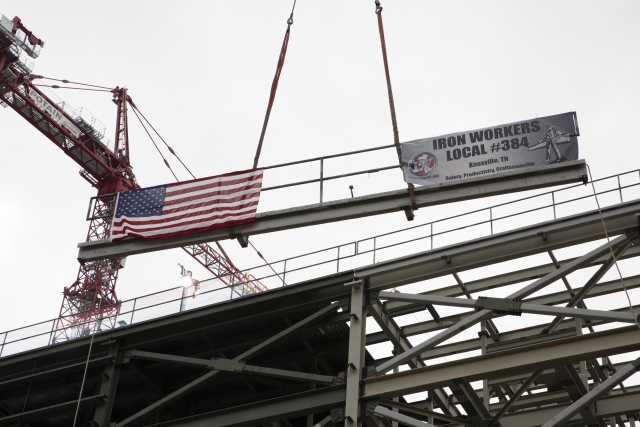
column 297, row 356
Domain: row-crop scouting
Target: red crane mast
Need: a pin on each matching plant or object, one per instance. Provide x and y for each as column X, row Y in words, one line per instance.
column 92, row 295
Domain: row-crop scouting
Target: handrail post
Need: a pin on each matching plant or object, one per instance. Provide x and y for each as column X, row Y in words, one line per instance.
column 53, row 327
column 491, row 219
column 321, row 178
column 431, row 234
column 620, row 189
column 338, row 261
column 284, row 273
column 3, row 341
column 133, row 310
column 374, row 250
column 553, row 203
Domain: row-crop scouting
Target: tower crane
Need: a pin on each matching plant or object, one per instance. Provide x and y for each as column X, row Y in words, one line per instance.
column 104, row 165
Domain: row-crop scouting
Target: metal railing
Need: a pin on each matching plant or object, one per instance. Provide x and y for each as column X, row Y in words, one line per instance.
column 321, row 179
column 482, row 222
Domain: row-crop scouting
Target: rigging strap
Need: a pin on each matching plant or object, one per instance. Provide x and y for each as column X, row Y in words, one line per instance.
column 274, row 85
column 392, row 107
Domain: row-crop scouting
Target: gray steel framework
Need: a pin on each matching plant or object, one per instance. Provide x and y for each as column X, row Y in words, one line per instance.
column 298, row 355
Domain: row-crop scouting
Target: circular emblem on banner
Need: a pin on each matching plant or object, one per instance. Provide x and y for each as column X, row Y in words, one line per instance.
column 422, row 164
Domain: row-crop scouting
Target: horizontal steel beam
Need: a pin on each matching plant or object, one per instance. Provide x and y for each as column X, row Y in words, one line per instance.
column 381, row 411
column 504, row 363
column 426, row 413
column 501, row 247
column 41, row 413
column 229, row 365
column 608, row 406
column 55, row 372
column 341, row 210
column 582, row 313
column 510, row 278
column 323, row 399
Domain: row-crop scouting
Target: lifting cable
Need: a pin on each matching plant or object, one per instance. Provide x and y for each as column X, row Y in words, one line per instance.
column 274, row 85
column 34, row 76
column 156, row 145
column 74, row 88
column 615, row 261
column 136, row 110
column 392, row 107
column 86, row 365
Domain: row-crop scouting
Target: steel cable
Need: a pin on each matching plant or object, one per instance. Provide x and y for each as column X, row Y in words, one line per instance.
column 274, row 85
column 615, row 261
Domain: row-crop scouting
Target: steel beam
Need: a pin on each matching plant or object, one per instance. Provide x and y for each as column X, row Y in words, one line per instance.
column 108, row 385
column 525, row 385
column 56, row 372
column 487, row 314
column 287, row 407
column 582, row 293
column 231, row 366
column 381, row 411
column 172, row 397
column 394, row 334
column 506, row 279
column 572, row 383
column 376, row 421
column 340, row 210
column 501, row 247
column 608, row 407
column 594, row 394
column 505, row 363
column 41, row 413
column 355, row 358
column 425, row 412
column 470, row 402
column 545, row 310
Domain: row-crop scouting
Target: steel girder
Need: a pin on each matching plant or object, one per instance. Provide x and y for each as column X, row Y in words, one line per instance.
column 504, row 363
column 340, row 210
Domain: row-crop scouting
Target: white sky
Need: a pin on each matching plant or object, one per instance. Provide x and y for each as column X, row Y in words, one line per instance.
column 201, row 73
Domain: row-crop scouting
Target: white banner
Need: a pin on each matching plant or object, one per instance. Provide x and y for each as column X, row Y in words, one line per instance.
column 55, row 113
column 491, row 150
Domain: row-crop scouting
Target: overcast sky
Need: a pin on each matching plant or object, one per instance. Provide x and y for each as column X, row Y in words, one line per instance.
column 201, row 73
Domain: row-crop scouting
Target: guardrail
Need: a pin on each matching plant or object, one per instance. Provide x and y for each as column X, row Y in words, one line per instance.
column 482, row 222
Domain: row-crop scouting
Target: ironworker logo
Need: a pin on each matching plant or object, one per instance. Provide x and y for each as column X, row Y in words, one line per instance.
column 422, row 163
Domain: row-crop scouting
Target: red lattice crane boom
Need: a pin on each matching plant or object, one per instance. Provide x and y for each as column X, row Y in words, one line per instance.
column 92, row 295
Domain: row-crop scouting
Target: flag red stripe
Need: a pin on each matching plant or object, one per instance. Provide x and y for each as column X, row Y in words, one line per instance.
column 182, row 232
column 212, row 194
column 134, row 227
column 213, row 202
column 172, row 193
column 162, row 220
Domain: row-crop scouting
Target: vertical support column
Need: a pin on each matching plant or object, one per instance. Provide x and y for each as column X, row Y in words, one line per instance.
column 108, row 386
column 312, row 386
column 396, row 350
column 483, row 334
column 430, row 405
column 584, row 376
column 357, row 336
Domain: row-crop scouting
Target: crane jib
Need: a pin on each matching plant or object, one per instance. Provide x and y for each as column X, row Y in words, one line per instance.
column 55, row 113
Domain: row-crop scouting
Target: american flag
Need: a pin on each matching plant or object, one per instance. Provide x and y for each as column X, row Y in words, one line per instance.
column 188, row 206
